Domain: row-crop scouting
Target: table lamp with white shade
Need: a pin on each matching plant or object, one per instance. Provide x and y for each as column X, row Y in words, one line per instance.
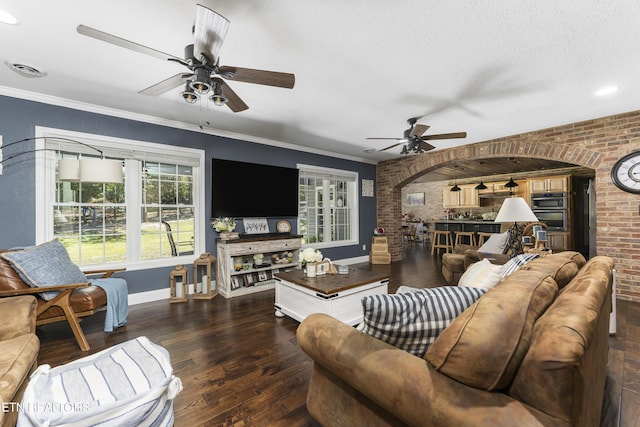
column 515, row 209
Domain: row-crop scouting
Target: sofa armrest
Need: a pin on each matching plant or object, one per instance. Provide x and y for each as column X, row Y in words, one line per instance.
column 405, row 385
column 18, row 316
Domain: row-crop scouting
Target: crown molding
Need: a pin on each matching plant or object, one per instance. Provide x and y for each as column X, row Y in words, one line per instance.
column 113, row 112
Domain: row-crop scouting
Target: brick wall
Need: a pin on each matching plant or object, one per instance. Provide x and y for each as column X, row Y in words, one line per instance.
column 596, row 144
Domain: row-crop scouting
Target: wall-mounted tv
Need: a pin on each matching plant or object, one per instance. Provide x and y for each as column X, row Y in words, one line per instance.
column 241, row 189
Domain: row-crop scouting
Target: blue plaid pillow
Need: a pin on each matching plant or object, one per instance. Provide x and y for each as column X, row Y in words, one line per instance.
column 45, row 265
column 413, row 320
column 516, row 262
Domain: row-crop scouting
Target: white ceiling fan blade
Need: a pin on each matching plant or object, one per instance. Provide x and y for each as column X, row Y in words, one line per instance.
column 209, row 33
column 166, row 85
column 119, row 41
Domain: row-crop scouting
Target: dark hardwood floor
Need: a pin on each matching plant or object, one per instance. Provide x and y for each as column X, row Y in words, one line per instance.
column 241, row 365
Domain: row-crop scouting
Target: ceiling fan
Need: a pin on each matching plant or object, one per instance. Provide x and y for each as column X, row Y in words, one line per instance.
column 205, row 74
column 415, row 141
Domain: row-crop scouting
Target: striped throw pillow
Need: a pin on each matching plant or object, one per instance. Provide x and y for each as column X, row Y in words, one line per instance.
column 413, row 320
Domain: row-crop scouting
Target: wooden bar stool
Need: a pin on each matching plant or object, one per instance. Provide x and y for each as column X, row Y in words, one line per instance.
column 460, row 235
column 483, row 237
column 437, row 243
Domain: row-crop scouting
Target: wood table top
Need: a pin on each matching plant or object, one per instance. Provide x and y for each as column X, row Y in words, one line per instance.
column 333, row 283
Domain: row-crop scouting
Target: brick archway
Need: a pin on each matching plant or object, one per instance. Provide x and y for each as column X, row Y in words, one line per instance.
column 595, row 144
column 407, row 169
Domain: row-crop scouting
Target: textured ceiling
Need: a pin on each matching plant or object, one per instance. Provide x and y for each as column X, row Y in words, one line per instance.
column 363, row 67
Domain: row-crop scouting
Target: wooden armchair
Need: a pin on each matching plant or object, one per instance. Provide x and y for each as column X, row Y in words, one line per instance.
column 73, row 302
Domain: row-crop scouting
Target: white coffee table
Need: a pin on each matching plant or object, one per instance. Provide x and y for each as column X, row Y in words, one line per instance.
column 338, row 295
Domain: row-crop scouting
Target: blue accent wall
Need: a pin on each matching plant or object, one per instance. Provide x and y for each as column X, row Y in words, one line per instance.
column 18, row 119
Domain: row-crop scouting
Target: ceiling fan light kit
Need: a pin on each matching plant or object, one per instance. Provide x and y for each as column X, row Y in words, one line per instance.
column 202, row 82
column 202, row 59
column 217, row 97
column 189, row 95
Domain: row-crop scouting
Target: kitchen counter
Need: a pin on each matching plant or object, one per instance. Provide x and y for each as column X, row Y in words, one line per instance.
column 476, row 226
column 465, row 221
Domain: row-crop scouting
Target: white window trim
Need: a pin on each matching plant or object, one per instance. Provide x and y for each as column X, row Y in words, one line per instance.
column 45, row 180
column 353, row 200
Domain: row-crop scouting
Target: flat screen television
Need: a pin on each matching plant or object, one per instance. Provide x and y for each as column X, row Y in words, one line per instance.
column 251, row 190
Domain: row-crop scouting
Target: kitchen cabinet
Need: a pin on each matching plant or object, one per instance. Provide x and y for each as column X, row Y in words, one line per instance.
column 558, row 241
column 522, row 190
column 467, row 197
column 549, row 184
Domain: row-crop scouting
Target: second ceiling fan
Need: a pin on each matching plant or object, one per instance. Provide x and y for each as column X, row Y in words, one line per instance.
column 205, row 74
column 415, row 140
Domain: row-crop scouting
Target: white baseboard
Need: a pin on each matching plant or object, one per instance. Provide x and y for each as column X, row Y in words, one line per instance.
column 156, row 295
column 164, row 294
column 149, row 296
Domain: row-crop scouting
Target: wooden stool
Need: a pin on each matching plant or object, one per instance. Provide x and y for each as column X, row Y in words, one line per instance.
column 483, row 237
column 461, row 234
column 436, row 242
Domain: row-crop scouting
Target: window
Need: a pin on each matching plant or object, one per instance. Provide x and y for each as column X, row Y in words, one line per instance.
column 154, row 216
column 328, row 206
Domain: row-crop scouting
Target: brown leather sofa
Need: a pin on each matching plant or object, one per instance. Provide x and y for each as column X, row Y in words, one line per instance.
column 18, row 358
column 532, row 351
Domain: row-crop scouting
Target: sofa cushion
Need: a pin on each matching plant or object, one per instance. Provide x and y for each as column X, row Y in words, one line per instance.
column 45, row 265
column 413, row 320
column 17, row 359
column 560, row 268
column 484, row 345
column 574, row 256
column 481, row 274
column 516, row 262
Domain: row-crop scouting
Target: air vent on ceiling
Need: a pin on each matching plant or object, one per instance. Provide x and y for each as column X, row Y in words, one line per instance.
column 25, row 70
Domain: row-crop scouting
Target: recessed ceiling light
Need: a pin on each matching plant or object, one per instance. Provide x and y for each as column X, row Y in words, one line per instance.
column 607, row 90
column 7, row 18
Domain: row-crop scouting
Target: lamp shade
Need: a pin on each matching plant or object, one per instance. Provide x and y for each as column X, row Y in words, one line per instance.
column 101, row 170
column 69, row 170
column 515, row 209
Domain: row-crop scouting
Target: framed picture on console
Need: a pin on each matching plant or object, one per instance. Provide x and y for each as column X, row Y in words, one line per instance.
column 322, row 267
column 235, row 282
column 255, row 225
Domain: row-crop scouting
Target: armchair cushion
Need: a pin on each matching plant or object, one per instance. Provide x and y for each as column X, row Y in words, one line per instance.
column 413, row 320
column 45, row 265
